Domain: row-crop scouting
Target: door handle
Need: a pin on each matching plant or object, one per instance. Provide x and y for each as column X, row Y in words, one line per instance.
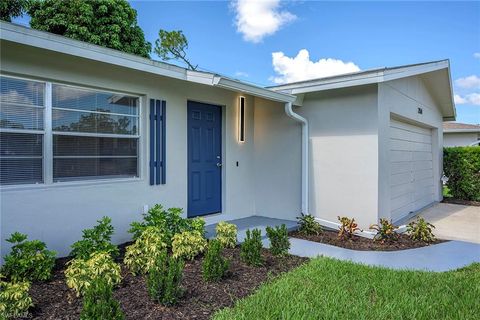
column 219, row 164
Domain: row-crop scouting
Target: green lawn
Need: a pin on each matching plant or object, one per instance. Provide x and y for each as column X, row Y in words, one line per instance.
column 331, row 289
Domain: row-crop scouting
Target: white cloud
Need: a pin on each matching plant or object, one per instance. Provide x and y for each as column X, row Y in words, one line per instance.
column 241, row 74
column 458, row 99
column 468, row 82
column 471, row 98
column 302, row 68
column 256, row 19
column 476, row 55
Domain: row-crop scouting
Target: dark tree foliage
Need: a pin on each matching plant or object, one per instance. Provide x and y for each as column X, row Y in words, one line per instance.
column 10, row 9
column 108, row 23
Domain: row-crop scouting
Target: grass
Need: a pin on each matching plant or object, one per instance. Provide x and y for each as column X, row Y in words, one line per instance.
column 330, row 289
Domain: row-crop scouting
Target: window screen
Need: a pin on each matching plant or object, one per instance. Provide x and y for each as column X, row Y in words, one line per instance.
column 22, row 109
column 95, row 134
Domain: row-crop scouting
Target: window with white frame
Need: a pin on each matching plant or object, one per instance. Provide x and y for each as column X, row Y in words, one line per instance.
column 88, row 134
column 22, row 112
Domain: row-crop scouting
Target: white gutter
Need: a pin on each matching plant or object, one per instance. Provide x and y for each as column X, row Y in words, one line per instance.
column 304, row 122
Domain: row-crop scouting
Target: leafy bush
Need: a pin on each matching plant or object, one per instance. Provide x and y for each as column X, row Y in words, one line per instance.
column 28, row 260
column 141, row 256
column 214, row 265
column 169, row 222
column 226, row 234
column 421, row 230
column 164, row 278
column 308, row 225
column 82, row 273
column 98, row 302
column 279, row 242
column 188, row 244
column 385, row 231
column 14, row 299
column 462, row 167
column 95, row 240
column 251, row 249
column 347, row 228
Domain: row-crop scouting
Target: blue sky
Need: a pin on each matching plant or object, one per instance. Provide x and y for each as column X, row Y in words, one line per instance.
column 239, row 38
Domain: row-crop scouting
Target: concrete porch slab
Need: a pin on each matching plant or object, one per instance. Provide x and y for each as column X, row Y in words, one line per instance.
column 252, row 222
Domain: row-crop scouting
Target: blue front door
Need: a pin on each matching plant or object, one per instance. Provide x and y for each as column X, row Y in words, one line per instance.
column 204, row 159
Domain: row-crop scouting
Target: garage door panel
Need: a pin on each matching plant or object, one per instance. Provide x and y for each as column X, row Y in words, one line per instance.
column 422, row 156
column 401, row 134
column 398, row 156
column 401, row 178
column 401, row 167
column 403, row 145
column 411, row 168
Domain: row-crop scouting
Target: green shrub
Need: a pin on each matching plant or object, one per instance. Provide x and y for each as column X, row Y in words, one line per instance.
column 141, row 256
column 421, row 230
column 188, row 245
column 82, row 273
column 14, row 299
column 279, row 242
column 98, row 302
column 385, row 231
column 347, row 228
column 307, row 225
column 226, row 234
column 164, row 278
column 95, row 240
column 214, row 265
column 462, row 167
column 28, row 260
column 169, row 222
column 251, row 249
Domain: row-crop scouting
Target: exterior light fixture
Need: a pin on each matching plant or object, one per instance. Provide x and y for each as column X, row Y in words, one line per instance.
column 241, row 119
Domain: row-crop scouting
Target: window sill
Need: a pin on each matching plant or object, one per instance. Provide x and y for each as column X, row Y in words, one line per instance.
column 69, row 184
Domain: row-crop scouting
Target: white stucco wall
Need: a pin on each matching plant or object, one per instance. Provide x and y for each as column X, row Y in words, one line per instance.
column 400, row 99
column 57, row 213
column 277, row 153
column 343, row 127
column 460, row 139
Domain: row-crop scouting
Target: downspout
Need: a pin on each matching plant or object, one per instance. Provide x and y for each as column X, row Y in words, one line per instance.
column 304, row 122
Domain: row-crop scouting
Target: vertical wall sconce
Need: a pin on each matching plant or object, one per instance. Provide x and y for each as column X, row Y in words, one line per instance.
column 241, row 119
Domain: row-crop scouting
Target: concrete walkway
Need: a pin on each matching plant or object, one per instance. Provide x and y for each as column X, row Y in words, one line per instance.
column 454, row 222
column 440, row 257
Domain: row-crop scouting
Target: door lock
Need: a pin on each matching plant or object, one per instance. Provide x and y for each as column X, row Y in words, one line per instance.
column 219, row 164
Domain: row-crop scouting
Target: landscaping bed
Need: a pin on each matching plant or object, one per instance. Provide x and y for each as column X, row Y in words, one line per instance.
column 462, row 202
column 361, row 243
column 54, row 300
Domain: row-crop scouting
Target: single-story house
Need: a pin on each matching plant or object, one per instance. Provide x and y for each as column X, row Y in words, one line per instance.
column 88, row 131
column 457, row 134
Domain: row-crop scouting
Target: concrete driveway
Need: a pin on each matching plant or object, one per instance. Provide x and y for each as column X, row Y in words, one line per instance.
column 454, row 222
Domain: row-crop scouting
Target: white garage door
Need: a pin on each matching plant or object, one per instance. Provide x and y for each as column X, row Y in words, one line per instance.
column 411, row 181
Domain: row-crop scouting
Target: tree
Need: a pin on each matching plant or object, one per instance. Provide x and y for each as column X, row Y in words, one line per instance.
column 172, row 45
column 10, row 9
column 108, row 23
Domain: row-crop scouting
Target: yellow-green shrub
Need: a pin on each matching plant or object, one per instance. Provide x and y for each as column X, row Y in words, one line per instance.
column 141, row 256
column 81, row 273
column 14, row 299
column 226, row 234
column 188, row 244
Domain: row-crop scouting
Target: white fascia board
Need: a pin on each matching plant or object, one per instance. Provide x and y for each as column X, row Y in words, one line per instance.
column 252, row 90
column 48, row 41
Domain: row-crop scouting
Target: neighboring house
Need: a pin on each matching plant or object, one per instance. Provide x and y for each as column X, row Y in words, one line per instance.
column 460, row 134
column 88, row 131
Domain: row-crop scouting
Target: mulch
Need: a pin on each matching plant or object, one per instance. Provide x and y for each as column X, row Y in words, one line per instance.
column 361, row 243
column 54, row 300
column 462, row 202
